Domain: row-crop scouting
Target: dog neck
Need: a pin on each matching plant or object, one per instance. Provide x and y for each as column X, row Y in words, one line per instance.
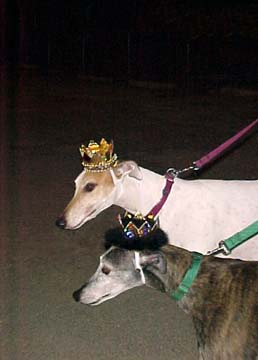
column 178, row 261
column 213, row 273
column 140, row 195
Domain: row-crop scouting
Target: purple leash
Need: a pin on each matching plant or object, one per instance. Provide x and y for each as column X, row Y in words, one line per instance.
column 172, row 173
column 214, row 154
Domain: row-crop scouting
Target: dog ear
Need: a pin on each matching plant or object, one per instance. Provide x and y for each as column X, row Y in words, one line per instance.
column 127, row 168
column 155, row 259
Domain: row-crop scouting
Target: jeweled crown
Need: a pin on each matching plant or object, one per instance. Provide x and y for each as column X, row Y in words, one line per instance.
column 137, row 225
column 98, row 157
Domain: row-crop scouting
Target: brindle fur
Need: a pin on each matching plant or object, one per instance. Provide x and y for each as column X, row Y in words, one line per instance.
column 223, row 303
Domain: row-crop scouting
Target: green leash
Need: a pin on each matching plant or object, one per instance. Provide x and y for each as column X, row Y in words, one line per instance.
column 189, row 277
column 226, row 246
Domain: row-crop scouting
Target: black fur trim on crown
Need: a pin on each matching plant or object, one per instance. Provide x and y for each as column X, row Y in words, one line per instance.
column 151, row 241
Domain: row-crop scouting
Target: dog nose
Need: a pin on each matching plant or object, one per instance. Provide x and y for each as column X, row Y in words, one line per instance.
column 76, row 295
column 61, row 222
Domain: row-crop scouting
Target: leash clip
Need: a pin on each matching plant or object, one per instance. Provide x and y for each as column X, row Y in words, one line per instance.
column 177, row 173
column 172, row 172
column 189, row 169
column 222, row 248
column 195, row 167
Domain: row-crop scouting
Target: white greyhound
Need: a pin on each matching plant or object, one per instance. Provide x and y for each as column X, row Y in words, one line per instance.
column 196, row 216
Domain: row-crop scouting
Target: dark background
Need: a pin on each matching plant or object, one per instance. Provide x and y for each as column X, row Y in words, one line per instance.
column 192, row 44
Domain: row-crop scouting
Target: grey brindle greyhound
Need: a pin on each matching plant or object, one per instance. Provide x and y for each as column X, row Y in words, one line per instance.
column 223, row 298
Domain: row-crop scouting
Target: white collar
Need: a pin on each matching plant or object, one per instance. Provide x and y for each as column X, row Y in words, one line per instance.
column 137, row 265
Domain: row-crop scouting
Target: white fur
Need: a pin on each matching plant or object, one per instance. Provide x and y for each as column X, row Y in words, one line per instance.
column 198, row 213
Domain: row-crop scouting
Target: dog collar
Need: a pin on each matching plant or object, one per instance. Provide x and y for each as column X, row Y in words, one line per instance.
column 137, row 265
column 189, row 277
column 165, row 193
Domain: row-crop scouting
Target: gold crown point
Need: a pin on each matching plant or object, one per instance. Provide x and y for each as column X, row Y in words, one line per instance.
column 98, row 157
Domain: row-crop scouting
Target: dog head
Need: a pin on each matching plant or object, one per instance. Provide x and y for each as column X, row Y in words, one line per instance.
column 127, row 263
column 94, row 192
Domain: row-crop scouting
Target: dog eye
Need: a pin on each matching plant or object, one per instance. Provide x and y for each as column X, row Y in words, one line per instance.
column 89, row 187
column 105, row 270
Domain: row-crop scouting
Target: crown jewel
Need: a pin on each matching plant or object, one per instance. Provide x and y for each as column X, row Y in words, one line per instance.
column 137, row 225
column 98, row 157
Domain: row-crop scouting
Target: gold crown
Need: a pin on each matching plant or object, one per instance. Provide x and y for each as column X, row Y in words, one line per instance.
column 137, row 225
column 98, row 157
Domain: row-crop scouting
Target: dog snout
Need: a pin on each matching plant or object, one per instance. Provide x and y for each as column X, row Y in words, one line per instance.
column 77, row 295
column 61, row 222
